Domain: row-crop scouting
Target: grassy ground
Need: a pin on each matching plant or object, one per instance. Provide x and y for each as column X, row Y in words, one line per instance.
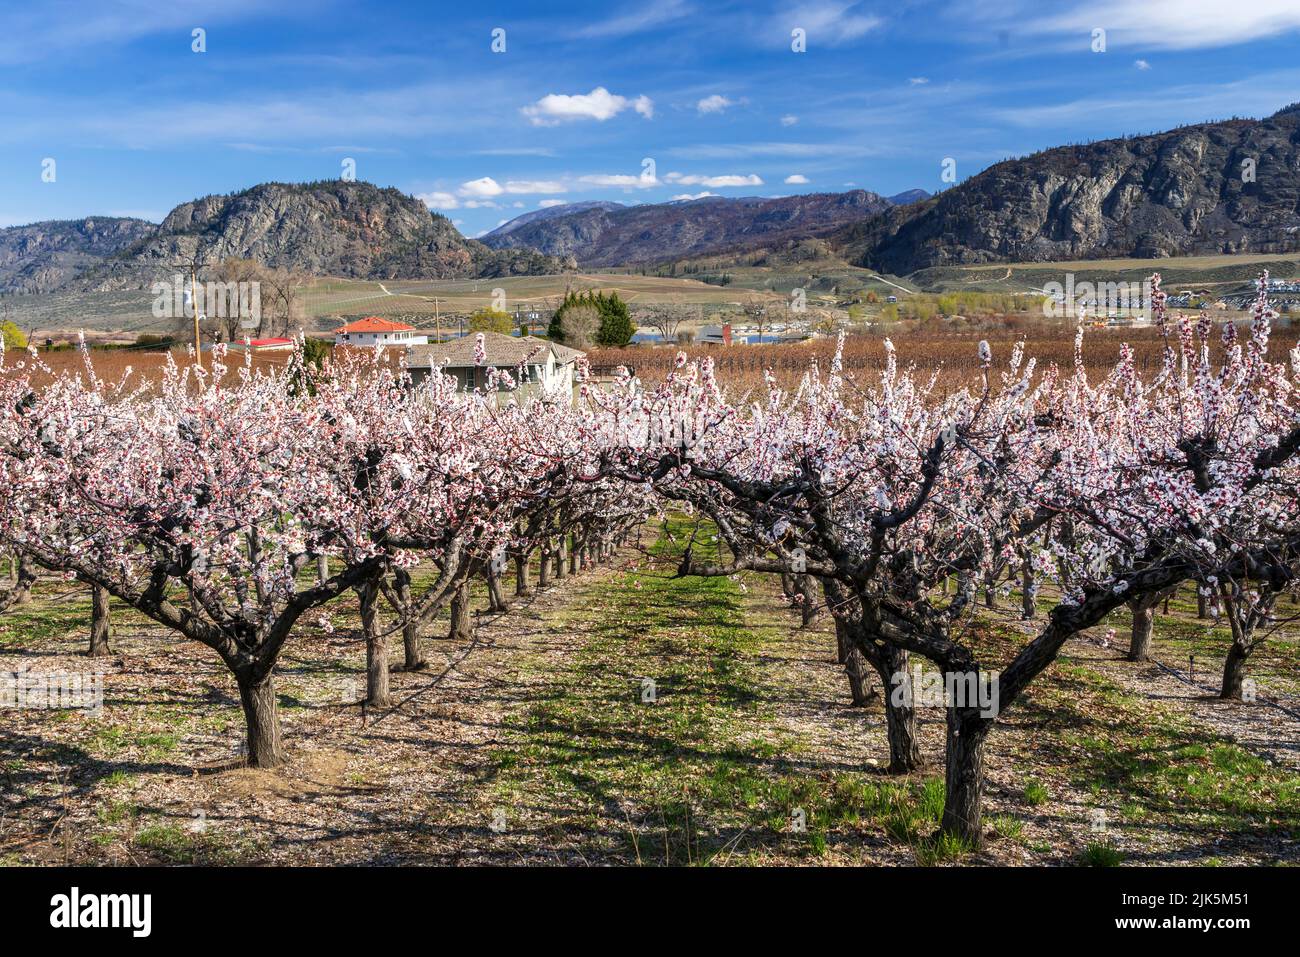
column 543, row 741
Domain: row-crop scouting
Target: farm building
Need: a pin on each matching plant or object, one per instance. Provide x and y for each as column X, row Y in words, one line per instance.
column 373, row 331
column 545, row 364
column 715, row 335
column 278, row 344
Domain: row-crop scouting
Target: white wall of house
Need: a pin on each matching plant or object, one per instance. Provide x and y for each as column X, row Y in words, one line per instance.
column 372, row 339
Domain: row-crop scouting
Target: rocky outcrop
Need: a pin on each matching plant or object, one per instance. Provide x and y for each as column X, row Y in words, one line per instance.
column 41, row 257
column 1212, row 188
column 333, row 228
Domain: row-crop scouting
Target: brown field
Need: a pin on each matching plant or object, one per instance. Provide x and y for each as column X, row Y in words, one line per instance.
column 948, row 346
column 951, row 348
column 112, row 364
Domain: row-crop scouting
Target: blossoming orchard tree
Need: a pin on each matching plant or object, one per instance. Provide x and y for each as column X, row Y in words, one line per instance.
column 892, row 492
column 201, row 502
column 1197, row 468
column 196, row 504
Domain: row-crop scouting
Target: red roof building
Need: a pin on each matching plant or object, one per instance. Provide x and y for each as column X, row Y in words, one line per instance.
column 264, row 345
column 374, row 331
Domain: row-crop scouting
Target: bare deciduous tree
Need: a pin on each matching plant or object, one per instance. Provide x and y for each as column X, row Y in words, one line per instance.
column 580, row 325
column 663, row 318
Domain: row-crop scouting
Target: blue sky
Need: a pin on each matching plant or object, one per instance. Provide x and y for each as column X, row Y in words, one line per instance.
column 585, row 93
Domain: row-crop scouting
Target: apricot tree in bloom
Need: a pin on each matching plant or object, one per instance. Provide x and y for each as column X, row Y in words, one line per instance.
column 200, row 503
column 892, row 491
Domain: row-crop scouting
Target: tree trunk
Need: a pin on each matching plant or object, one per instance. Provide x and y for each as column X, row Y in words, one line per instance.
column 1202, row 604
column 1244, row 617
column 522, row 587
column 900, row 714
column 460, row 627
column 964, row 779
column 1234, row 671
column 859, row 672
column 377, row 693
column 262, row 720
column 322, row 569
column 100, row 625
column 22, row 593
column 1028, row 591
column 787, row 584
column 410, row 623
column 496, row 596
column 1144, row 616
column 561, row 559
column 808, row 608
column 21, row 590
column 544, row 567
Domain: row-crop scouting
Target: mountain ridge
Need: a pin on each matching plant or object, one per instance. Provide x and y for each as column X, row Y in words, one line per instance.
column 1186, row 191
column 654, row 232
column 332, row 227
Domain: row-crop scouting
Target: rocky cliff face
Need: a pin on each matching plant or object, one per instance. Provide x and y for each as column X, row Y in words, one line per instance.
column 329, row 228
column 42, row 257
column 1175, row 193
column 605, row 236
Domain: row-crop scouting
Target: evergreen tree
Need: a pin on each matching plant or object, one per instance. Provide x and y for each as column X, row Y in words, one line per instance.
column 616, row 327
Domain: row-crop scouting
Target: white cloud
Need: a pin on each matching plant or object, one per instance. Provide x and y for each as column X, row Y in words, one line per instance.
column 714, row 104
column 534, row 186
column 828, row 23
column 694, row 195
column 714, row 182
column 643, row 16
column 1171, row 24
column 620, row 179
column 1142, row 64
column 502, row 222
column 789, row 120
column 437, row 200
column 34, row 32
column 482, row 188
column 918, row 80
column 796, row 179
column 548, row 203
column 599, row 105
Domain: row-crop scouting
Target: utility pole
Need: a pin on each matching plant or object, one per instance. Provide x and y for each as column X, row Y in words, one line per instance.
column 193, row 265
column 437, row 321
column 194, row 304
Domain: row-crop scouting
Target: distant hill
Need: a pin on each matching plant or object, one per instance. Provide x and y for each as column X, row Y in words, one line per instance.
column 909, row 196
column 550, row 212
column 1176, row 193
column 337, row 228
column 43, row 256
column 655, row 232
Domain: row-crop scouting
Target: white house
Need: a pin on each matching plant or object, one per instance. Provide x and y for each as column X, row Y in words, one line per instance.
column 373, row 331
column 544, row 364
